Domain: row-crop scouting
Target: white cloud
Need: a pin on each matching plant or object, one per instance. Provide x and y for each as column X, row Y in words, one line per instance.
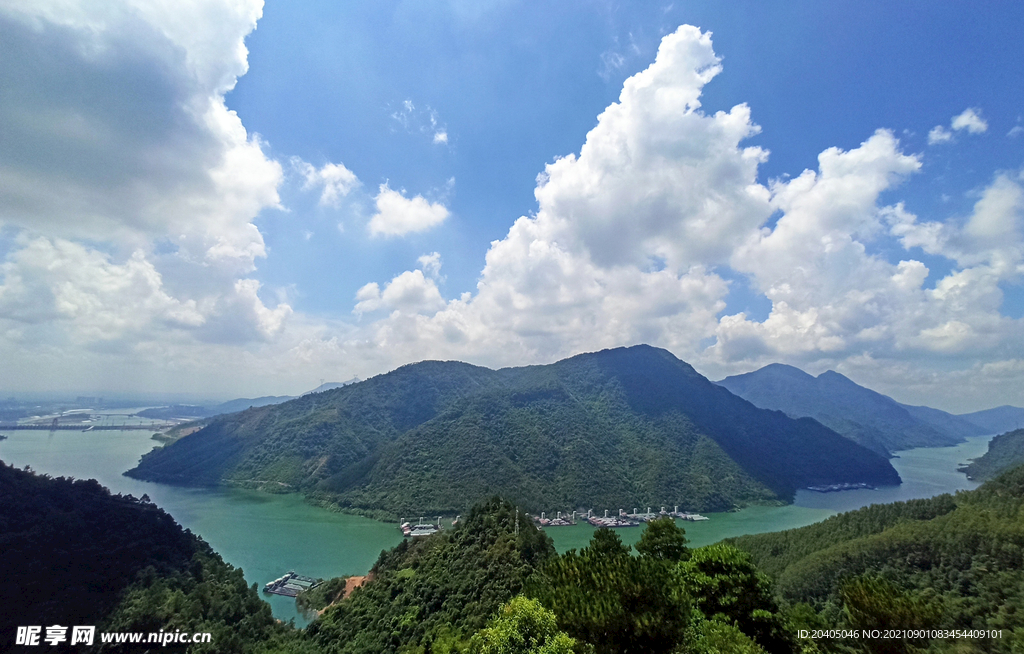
column 398, row 215
column 629, row 234
column 408, row 293
column 939, row 134
column 430, row 264
column 970, row 120
column 441, row 137
column 337, row 180
column 1016, row 131
column 132, row 203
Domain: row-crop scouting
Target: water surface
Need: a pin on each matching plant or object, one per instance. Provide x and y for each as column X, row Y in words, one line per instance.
column 268, row 535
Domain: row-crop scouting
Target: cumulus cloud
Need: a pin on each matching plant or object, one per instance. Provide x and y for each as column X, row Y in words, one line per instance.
column 631, row 233
column 620, row 249
column 939, row 134
column 335, row 179
column 970, row 120
column 130, row 186
column 398, row 215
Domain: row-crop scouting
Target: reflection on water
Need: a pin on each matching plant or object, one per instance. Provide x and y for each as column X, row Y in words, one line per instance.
column 267, row 535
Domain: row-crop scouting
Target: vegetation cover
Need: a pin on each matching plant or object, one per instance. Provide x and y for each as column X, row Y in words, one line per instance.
column 949, row 562
column 625, row 427
column 74, row 554
column 1005, row 451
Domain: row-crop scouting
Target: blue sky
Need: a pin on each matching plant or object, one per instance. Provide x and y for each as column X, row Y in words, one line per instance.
column 359, row 188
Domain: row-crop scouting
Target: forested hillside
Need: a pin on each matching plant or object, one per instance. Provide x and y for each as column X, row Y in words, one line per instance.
column 73, row 554
column 626, row 427
column 946, row 562
column 1005, row 451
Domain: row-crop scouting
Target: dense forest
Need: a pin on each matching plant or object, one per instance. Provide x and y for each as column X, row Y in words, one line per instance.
column 1005, row 451
column 75, row 554
column 950, row 562
column 625, row 427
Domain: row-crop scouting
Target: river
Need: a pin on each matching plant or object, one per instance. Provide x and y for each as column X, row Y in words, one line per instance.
column 268, row 535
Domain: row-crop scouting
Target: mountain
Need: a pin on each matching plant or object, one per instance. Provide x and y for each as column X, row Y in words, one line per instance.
column 871, row 419
column 74, row 554
column 618, row 428
column 241, row 404
column 998, row 420
column 947, row 562
column 1005, row 451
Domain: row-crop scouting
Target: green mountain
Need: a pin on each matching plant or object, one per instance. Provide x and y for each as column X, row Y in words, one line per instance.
column 618, row 428
column 945, row 562
column 871, row 419
column 1004, row 451
column 73, row 554
column 438, row 590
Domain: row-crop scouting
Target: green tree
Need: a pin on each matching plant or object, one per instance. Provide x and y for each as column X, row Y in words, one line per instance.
column 726, row 586
column 873, row 603
column 615, row 602
column 664, row 540
column 523, row 626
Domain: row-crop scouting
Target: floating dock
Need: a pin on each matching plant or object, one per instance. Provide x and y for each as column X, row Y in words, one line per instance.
column 421, row 529
column 833, row 488
column 291, row 584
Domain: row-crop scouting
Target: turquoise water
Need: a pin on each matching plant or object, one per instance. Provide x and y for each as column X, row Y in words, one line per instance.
column 267, row 535
column 925, row 472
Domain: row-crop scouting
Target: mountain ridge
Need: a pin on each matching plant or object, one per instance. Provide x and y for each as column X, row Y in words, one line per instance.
column 867, row 417
column 619, row 427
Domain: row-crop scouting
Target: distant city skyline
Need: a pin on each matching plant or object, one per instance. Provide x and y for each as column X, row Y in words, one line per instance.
column 224, row 199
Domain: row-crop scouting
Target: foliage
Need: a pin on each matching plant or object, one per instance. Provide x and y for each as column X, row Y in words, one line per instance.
column 956, row 563
column 440, row 589
column 1004, row 452
column 625, row 427
column 726, row 586
column 718, row 637
column 73, row 553
column 614, row 601
column 316, row 599
column 523, row 626
column 663, row 540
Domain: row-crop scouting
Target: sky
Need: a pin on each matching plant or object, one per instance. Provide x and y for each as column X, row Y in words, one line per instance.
column 227, row 198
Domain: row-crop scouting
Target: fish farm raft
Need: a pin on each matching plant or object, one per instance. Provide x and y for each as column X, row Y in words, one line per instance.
column 291, row 584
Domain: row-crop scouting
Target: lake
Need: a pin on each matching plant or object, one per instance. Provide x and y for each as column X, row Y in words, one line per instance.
column 268, row 535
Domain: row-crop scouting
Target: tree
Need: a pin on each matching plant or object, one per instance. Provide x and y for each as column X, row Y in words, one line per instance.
column 726, row 586
column 523, row 626
column 615, row 602
column 663, row 540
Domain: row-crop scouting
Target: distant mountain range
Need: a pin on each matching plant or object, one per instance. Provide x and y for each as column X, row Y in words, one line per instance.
column 613, row 429
column 231, row 406
column 871, row 419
